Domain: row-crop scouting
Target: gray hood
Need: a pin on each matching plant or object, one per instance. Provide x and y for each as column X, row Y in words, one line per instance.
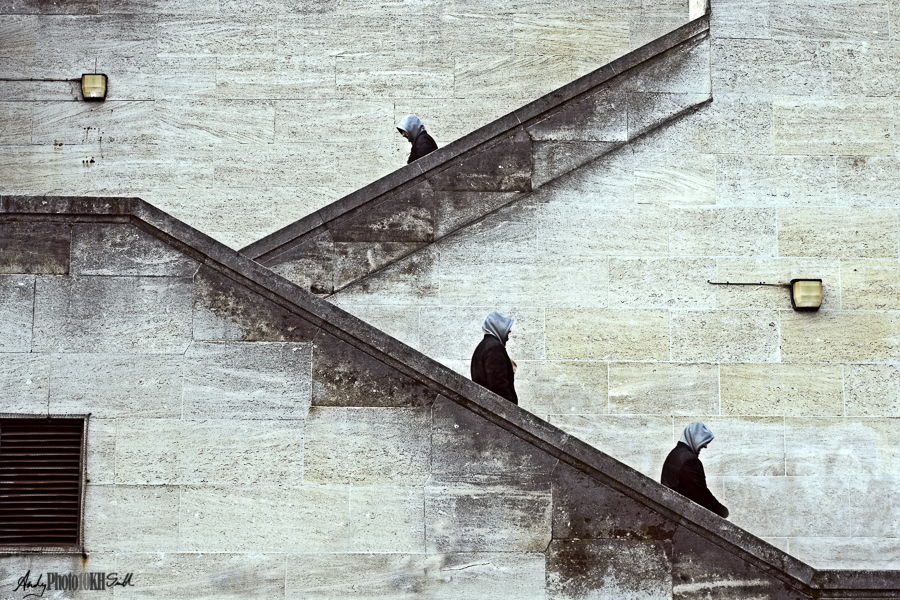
column 412, row 126
column 695, row 435
column 498, row 325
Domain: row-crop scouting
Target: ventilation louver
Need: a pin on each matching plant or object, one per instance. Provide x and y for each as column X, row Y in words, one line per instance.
column 40, row 481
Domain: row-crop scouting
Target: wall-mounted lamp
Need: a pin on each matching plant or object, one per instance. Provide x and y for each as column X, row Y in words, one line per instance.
column 806, row 294
column 93, row 86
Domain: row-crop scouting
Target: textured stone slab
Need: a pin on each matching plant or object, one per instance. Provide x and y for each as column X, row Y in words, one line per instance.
column 661, row 282
column 730, row 124
column 394, row 76
column 345, row 376
column 601, row 116
column 24, row 382
column 872, row 390
column 387, row 519
column 247, row 380
column 727, row 231
column 18, row 35
column 411, row 281
column 116, row 385
column 477, row 513
column 592, row 35
column 313, row 34
column 97, row 35
column 675, row 179
column 264, row 519
column 36, row 7
column 214, row 451
column 398, row 321
column 17, row 117
column 356, row 260
column 131, row 518
column 586, row 509
column 553, row 159
column 106, row 249
column 641, row 442
column 748, row 446
column 725, row 336
column 367, row 446
column 790, row 67
column 440, row 576
column 735, row 19
column 840, row 336
column 868, row 180
column 16, row 313
column 867, row 68
column 274, row 165
column 277, row 77
column 789, row 506
column 782, row 389
column 602, row 230
column 847, row 553
column 158, row 78
column 121, row 168
column 39, row 248
column 510, row 242
column 131, row 7
column 226, row 310
column 842, row 447
column 774, row 270
column 177, row 575
column 139, row 315
column 663, row 388
column 842, row 232
column 469, row 32
column 216, row 121
column 649, row 110
column 869, row 285
column 465, row 443
column 609, row 569
column 504, row 166
column 454, row 332
column 608, row 180
column 829, row 20
column 562, row 387
column 843, row 126
column 361, row 120
column 199, row 35
column 523, row 77
column 776, row 181
column 376, row 33
column 597, row 334
column 875, row 506
column 309, row 262
column 101, row 451
column 406, row 215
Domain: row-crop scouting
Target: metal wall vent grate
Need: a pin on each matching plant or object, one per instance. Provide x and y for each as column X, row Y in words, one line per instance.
column 40, row 481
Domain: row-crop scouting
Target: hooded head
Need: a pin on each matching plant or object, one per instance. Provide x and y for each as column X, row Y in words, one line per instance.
column 412, row 126
column 696, row 435
column 498, row 325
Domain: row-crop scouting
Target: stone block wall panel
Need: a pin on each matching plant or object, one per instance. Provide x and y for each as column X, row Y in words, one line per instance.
column 42, row 249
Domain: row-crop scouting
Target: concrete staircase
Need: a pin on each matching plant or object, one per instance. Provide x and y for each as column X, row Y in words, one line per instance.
column 496, row 165
column 498, row 479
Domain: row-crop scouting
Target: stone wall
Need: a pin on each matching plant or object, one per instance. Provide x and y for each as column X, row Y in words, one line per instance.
column 243, row 117
column 791, row 171
column 249, row 440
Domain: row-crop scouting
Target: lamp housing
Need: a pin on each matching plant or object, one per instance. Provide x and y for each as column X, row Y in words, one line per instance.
column 806, row 294
column 93, row 86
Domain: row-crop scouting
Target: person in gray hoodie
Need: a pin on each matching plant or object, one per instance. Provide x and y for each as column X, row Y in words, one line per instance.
column 683, row 471
column 412, row 129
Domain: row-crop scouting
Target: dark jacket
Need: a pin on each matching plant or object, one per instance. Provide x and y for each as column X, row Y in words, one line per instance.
column 683, row 472
column 424, row 144
column 492, row 368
